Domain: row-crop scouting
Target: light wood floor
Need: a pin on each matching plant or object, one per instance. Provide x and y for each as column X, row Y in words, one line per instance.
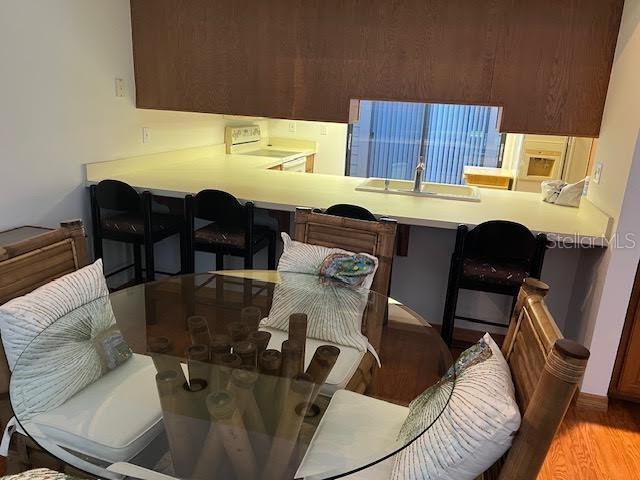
column 596, row 446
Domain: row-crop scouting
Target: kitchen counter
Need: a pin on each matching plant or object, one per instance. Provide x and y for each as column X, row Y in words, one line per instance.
column 181, row 172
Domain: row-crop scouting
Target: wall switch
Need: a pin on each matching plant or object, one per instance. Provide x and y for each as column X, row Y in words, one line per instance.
column 120, row 91
column 292, row 127
column 146, row 135
column 323, row 130
column 597, row 172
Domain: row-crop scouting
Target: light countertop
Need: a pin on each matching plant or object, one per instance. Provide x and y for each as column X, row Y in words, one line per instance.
column 298, row 148
column 249, row 178
column 494, row 172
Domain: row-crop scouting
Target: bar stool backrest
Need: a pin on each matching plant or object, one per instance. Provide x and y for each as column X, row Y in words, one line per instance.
column 351, row 211
column 117, row 196
column 220, row 207
column 503, row 241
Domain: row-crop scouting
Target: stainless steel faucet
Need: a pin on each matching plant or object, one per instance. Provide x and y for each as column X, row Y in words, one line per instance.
column 417, row 181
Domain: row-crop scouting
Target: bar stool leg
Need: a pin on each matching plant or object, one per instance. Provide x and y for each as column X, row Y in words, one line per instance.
column 184, row 255
column 272, row 252
column 248, row 260
column 449, row 316
column 137, row 263
column 97, row 246
column 149, row 260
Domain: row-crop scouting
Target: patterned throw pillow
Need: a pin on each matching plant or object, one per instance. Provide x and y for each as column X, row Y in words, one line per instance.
column 23, row 318
column 356, row 269
column 334, row 311
column 82, row 341
column 464, row 423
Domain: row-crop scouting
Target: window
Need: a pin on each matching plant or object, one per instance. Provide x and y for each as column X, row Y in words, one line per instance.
column 390, row 138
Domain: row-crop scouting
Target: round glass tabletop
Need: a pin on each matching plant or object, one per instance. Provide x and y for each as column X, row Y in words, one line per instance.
column 229, row 375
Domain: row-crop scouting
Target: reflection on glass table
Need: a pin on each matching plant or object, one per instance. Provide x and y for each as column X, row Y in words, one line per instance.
column 222, row 375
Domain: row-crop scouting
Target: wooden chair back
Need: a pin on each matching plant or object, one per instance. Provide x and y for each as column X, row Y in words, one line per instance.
column 27, row 265
column 546, row 370
column 359, row 236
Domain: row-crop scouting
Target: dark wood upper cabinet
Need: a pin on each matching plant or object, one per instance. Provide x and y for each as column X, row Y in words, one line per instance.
column 547, row 63
column 553, row 64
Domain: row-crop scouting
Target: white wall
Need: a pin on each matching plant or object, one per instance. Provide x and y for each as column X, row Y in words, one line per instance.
column 604, row 281
column 621, row 116
column 59, row 60
column 332, row 147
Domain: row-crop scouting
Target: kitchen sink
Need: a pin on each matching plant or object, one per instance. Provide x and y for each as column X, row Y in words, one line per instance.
column 432, row 190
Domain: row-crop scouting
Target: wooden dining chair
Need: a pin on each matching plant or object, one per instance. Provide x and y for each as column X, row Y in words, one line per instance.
column 360, row 236
column 25, row 266
column 376, row 238
column 546, row 370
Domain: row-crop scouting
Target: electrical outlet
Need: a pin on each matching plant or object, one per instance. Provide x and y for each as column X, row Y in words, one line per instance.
column 597, row 172
column 120, row 90
column 292, row 127
column 146, row 135
column 323, row 130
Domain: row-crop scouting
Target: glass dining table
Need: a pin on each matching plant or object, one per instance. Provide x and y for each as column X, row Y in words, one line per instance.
column 219, row 376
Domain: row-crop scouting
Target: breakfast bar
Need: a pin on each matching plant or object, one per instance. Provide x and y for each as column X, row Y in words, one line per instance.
column 432, row 221
column 175, row 174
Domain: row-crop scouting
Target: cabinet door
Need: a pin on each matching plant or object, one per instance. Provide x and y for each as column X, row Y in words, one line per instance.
column 309, row 163
column 546, row 62
column 553, row 63
column 627, row 371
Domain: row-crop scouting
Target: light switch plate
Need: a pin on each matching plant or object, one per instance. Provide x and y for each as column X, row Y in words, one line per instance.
column 146, row 135
column 323, row 130
column 120, row 90
column 292, row 127
column 597, row 172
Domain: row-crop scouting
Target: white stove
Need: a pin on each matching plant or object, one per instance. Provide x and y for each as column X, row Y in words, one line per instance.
column 247, row 140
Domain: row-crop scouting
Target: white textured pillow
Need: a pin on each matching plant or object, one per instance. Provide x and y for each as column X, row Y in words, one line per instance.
column 298, row 257
column 82, row 346
column 334, row 311
column 476, row 427
column 23, row 318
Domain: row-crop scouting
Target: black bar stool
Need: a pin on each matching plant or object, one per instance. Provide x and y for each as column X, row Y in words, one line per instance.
column 231, row 230
column 351, row 211
column 493, row 257
column 121, row 214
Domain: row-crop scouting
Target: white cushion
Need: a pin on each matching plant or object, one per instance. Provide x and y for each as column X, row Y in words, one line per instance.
column 354, row 431
column 474, row 430
column 344, row 368
column 113, row 419
column 23, row 318
column 298, row 257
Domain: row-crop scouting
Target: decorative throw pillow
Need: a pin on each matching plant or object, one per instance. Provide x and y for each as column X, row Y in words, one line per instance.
column 83, row 346
column 475, row 428
column 334, row 311
column 23, row 318
column 356, row 269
